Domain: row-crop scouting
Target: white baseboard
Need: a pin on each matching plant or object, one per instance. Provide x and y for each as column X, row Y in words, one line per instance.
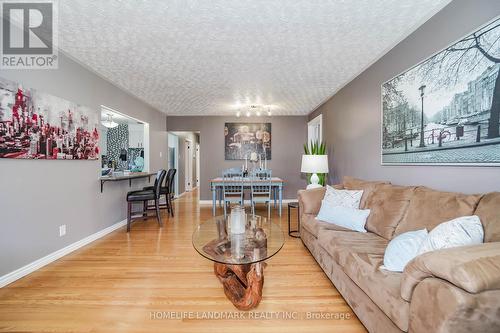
column 180, row 195
column 37, row 264
column 209, row 202
column 205, row 202
column 285, row 201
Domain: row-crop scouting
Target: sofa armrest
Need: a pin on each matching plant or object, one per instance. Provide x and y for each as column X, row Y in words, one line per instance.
column 441, row 307
column 310, row 200
column 473, row 268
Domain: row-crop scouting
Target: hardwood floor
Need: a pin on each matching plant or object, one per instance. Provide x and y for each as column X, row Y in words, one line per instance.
column 135, row 282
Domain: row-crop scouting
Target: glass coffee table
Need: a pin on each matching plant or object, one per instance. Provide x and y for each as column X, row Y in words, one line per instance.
column 238, row 258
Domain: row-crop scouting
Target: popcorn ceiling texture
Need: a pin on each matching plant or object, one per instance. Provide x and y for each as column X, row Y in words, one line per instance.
column 202, row 57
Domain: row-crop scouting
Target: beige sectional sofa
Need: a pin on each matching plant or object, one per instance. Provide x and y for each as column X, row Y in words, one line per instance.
column 451, row 290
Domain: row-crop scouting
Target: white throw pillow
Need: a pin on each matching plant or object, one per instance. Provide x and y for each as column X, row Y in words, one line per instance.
column 403, row 248
column 465, row 230
column 350, row 218
column 344, row 198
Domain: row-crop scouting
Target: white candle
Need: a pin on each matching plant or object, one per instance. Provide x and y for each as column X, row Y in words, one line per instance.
column 265, row 157
column 237, row 221
column 237, row 246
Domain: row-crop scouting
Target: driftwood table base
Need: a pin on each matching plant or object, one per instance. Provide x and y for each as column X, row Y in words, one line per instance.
column 242, row 283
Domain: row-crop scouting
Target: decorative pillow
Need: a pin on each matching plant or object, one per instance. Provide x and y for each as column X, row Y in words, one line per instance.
column 462, row 231
column 344, row 198
column 349, row 218
column 403, row 248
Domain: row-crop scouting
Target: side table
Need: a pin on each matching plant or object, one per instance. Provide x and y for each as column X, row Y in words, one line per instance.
column 294, row 233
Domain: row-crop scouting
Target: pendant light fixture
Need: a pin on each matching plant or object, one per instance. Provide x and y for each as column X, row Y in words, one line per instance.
column 109, row 123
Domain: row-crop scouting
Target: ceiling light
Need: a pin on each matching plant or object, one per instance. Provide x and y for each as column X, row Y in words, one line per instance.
column 269, row 111
column 109, row 123
column 238, row 114
column 257, row 112
column 248, row 113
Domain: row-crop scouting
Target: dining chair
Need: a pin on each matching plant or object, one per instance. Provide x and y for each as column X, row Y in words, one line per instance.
column 232, row 187
column 144, row 196
column 261, row 189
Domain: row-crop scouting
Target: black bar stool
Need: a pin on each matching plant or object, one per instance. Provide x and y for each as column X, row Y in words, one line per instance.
column 167, row 191
column 171, row 191
column 144, row 196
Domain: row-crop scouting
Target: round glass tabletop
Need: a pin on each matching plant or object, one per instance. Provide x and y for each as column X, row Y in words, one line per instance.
column 261, row 240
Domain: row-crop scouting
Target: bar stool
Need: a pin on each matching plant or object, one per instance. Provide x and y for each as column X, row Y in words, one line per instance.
column 166, row 190
column 171, row 191
column 144, row 196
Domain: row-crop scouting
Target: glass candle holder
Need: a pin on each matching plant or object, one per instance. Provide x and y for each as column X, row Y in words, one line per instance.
column 237, row 220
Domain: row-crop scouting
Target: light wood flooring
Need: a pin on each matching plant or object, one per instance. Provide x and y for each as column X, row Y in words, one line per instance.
column 152, row 280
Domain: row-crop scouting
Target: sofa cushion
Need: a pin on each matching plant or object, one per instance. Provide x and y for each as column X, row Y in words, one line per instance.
column 372, row 317
column 388, row 205
column 383, row 287
column 311, row 224
column 360, row 255
column 368, row 187
column 339, row 244
column 488, row 211
column 428, row 208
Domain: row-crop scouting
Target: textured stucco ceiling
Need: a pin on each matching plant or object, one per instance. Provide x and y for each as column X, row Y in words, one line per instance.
column 205, row 57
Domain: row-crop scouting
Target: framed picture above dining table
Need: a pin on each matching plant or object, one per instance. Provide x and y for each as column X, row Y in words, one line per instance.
column 250, row 141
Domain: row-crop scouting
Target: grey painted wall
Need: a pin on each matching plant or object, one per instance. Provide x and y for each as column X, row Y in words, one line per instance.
column 288, row 135
column 352, row 117
column 38, row 196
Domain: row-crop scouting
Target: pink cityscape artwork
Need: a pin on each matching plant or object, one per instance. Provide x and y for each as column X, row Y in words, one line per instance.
column 36, row 125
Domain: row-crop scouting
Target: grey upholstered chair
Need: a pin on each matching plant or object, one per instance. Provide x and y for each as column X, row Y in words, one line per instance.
column 232, row 188
column 261, row 189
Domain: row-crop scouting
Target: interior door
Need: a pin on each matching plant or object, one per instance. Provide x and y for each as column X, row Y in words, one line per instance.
column 189, row 165
column 197, row 165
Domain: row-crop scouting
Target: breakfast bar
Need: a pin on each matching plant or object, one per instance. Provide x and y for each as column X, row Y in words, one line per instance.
column 119, row 176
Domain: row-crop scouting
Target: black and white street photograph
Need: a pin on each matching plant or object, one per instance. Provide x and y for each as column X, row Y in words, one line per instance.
column 446, row 109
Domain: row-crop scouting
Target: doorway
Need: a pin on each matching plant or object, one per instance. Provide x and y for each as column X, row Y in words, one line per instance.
column 187, row 154
column 173, row 159
column 315, row 129
column 188, row 176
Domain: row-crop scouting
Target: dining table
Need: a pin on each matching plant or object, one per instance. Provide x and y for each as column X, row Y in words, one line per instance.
column 216, row 186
